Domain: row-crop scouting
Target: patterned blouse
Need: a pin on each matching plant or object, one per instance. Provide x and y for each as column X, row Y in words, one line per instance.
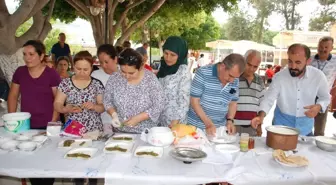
column 130, row 100
column 177, row 96
column 75, row 96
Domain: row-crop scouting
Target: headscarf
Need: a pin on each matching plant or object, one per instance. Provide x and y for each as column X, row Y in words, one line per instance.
column 179, row 46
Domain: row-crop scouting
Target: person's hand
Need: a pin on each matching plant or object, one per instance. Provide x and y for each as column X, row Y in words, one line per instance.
column 172, row 123
column 132, row 122
column 88, row 105
column 72, row 109
column 313, row 110
column 210, row 128
column 231, row 128
column 333, row 92
column 256, row 121
column 115, row 120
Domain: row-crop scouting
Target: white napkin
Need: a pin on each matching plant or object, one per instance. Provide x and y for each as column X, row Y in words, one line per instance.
column 215, row 157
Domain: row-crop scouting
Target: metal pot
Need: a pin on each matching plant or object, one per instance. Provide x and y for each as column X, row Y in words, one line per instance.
column 282, row 137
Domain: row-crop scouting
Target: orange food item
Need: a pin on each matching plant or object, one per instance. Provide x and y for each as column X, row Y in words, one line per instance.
column 181, row 130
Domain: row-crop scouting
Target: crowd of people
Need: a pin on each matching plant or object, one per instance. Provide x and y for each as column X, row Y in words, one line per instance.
column 125, row 96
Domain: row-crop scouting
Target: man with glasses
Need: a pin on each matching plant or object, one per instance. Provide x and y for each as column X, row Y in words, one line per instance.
column 214, row 94
column 295, row 90
column 251, row 86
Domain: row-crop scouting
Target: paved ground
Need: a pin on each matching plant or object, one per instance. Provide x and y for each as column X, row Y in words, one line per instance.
column 330, row 128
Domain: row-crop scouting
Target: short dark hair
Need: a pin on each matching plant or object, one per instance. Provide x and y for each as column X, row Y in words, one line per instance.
column 61, row 34
column 127, row 44
column 202, row 55
column 38, row 45
column 130, row 57
column 108, row 49
column 304, row 47
column 327, row 38
column 83, row 55
column 145, row 44
column 119, row 49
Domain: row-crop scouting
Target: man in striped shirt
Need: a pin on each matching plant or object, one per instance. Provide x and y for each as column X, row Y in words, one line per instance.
column 214, row 94
column 251, row 86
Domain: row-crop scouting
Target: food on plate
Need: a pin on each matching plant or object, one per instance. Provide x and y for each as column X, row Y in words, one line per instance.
column 147, row 153
column 79, row 155
column 291, row 159
column 123, row 138
column 181, row 130
column 116, row 148
column 82, row 143
column 68, row 143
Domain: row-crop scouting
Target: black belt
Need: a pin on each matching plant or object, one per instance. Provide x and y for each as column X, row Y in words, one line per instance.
column 245, row 126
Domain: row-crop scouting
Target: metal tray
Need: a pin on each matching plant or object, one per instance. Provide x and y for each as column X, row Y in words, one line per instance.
column 187, row 155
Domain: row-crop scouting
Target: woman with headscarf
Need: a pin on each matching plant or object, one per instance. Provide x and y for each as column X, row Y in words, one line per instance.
column 175, row 78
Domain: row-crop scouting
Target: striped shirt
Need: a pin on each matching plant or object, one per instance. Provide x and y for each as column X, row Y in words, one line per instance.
column 248, row 103
column 214, row 98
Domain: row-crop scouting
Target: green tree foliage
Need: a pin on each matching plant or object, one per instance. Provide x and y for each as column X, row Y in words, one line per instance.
column 324, row 17
column 51, row 39
column 239, row 26
column 205, row 32
column 288, row 9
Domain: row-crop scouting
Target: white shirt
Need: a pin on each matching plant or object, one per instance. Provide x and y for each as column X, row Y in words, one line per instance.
column 328, row 67
column 293, row 93
column 103, row 77
column 201, row 62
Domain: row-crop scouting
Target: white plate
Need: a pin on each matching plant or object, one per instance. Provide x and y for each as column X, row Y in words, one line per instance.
column 227, row 149
column 76, row 144
column 27, row 146
column 10, row 145
column 112, row 139
column 87, row 151
column 158, row 150
column 289, row 165
column 124, row 145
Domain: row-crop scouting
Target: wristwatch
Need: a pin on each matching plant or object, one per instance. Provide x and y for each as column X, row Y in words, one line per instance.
column 229, row 119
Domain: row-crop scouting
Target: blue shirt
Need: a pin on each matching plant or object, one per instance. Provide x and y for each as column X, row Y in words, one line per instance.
column 214, row 98
column 59, row 51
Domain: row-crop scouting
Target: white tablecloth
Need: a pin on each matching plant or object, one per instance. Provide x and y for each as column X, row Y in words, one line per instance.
column 253, row 167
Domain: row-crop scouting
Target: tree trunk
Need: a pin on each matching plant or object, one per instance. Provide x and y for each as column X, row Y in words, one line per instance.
column 9, row 63
column 144, row 34
column 160, row 43
column 260, row 29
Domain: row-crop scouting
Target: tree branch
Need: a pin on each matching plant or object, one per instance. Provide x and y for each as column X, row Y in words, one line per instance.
column 124, row 14
column 3, row 8
column 112, row 29
column 34, row 31
column 23, row 12
column 80, row 7
column 51, row 8
column 4, row 14
column 141, row 21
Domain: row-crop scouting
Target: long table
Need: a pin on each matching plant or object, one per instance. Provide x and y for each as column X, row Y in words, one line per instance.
column 254, row 167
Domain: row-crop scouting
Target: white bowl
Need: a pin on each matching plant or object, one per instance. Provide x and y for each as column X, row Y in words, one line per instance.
column 23, row 138
column 39, row 139
column 27, row 146
column 10, row 145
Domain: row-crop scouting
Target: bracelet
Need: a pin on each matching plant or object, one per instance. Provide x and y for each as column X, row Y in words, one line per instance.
column 229, row 119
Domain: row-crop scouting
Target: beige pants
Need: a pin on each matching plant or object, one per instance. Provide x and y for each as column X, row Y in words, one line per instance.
column 320, row 123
